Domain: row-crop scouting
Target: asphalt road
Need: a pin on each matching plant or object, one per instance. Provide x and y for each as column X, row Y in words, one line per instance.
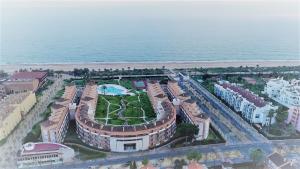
column 244, row 149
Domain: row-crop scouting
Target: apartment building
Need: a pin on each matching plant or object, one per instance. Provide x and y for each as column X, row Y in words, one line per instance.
column 294, row 117
column 252, row 107
column 283, row 91
column 55, row 127
column 189, row 110
column 13, row 108
column 42, row 154
column 25, row 81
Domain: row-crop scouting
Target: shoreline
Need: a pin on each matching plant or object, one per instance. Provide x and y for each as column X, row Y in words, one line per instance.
column 150, row 64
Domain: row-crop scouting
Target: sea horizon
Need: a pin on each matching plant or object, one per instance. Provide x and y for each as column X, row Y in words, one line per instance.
column 152, row 61
column 147, row 32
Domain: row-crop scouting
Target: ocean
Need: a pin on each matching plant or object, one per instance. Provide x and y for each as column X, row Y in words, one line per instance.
column 55, row 32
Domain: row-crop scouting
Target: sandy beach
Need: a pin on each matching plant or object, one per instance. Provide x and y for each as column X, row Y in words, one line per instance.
column 140, row 65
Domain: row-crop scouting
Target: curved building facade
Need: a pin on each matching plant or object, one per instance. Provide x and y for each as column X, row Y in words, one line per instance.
column 125, row 138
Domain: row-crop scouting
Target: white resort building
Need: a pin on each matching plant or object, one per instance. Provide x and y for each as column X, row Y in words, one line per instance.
column 284, row 92
column 294, row 117
column 251, row 106
column 41, row 154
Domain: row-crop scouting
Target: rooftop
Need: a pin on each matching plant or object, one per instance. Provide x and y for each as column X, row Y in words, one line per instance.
column 148, row 166
column 7, row 104
column 195, row 165
column 31, row 148
column 256, row 100
column 28, row 75
column 277, row 159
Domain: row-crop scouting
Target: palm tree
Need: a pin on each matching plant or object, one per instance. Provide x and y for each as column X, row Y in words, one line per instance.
column 145, row 161
column 257, row 156
column 104, row 89
column 133, row 165
column 270, row 115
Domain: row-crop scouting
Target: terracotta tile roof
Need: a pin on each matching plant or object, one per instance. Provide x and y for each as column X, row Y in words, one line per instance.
column 28, row 75
column 195, row 165
column 42, row 147
column 57, row 106
column 148, row 166
column 257, row 101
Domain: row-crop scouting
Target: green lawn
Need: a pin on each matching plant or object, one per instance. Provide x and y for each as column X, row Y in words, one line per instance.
column 116, row 121
column 133, row 112
column 131, row 98
column 101, row 108
column 46, row 113
column 147, row 106
column 113, row 107
column 79, row 82
column 34, row 135
column 59, row 94
column 133, row 109
column 112, row 81
column 127, row 84
column 133, row 121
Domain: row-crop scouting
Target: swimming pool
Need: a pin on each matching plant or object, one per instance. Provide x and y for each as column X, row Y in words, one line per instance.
column 112, row 89
column 139, row 84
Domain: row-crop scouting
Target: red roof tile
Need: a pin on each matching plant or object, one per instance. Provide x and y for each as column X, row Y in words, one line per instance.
column 41, row 147
column 28, row 75
column 257, row 101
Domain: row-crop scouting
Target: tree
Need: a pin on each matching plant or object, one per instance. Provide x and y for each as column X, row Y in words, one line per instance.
column 179, row 164
column 194, row 155
column 281, row 116
column 257, row 156
column 270, row 115
column 145, row 161
column 133, row 165
column 104, row 87
column 186, row 129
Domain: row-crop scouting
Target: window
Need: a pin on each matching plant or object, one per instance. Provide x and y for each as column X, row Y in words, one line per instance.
column 129, row 146
column 257, row 116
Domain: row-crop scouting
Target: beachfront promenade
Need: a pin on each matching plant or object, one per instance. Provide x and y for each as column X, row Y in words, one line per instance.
column 151, row 65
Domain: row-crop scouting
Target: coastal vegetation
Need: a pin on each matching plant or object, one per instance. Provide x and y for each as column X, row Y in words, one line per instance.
column 116, row 72
column 245, row 69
